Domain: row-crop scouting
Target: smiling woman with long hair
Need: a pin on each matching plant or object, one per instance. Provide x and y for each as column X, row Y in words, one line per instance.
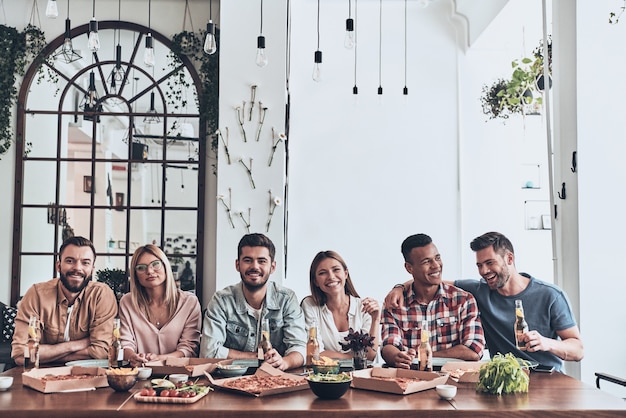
column 335, row 306
column 157, row 319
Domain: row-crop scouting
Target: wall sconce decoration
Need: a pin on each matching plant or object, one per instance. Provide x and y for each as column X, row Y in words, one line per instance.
column 274, row 202
column 61, row 219
column 52, row 10
column 317, row 56
column 249, row 171
column 281, row 137
column 88, row 184
column 225, row 142
column 227, row 206
column 245, row 221
column 148, row 53
column 210, row 44
column 262, row 112
column 261, row 57
column 93, row 42
column 252, row 99
column 152, row 116
column 348, row 41
column 67, row 53
column 119, row 201
column 241, row 118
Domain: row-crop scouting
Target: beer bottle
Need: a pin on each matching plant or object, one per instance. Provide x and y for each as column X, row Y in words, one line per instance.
column 425, row 350
column 521, row 326
column 312, row 346
column 116, row 352
column 31, row 354
column 265, row 344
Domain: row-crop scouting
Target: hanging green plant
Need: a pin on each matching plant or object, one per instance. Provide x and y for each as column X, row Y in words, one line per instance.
column 508, row 97
column 17, row 49
column 190, row 44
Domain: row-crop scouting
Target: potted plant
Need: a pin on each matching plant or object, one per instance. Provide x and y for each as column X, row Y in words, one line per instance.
column 507, row 97
column 116, row 279
column 358, row 342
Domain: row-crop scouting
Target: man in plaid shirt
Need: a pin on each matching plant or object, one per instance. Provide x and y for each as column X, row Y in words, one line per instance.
column 451, row 313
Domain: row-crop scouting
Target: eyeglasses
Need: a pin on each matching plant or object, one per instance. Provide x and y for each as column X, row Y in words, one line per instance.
column 156, row 266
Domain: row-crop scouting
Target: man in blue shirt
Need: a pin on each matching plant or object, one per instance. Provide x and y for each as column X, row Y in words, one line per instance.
column 553, row 336
column 232, row 321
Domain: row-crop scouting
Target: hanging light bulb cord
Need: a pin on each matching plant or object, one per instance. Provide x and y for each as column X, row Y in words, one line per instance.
column 211, row 10
column 318, row 25
column 93, row 7
column 149, row 14
column 380, row 43
column 355, row 40
column 405, row 44
column 261, row 28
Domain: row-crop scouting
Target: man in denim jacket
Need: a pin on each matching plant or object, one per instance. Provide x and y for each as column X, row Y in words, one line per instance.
column 232, row 322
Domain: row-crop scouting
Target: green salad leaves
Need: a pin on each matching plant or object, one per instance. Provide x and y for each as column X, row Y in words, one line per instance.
column 503, row 374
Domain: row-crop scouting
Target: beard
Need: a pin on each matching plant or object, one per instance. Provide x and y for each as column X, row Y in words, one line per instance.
column 253, row 286
column 69, row 286
column 502, row 278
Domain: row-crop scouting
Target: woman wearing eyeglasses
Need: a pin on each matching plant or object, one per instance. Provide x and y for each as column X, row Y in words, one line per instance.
column 157, row 319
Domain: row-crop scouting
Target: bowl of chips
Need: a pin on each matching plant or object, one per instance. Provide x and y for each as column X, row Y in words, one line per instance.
column 325, row 365
column 122, row 379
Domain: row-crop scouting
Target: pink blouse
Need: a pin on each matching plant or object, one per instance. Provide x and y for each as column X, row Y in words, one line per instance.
column 181, row 332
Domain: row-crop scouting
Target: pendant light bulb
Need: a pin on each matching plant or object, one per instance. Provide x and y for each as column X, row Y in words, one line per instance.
column 210, row 45
column 91, row 91
column 148, row 53
column 317, row 70
column 348, row 41
column 52, row 10
column 261, row 57
column 94, row 40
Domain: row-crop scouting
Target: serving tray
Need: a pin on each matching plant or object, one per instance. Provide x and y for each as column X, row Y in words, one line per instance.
column 160, row 399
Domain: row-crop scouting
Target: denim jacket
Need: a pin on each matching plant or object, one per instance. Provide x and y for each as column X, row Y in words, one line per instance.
column 227, row 323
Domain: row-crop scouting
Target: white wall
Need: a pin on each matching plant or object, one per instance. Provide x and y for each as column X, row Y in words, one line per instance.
column 601, row 147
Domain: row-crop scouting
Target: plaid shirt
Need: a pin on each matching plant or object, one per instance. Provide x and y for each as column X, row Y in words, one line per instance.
column 452, row 318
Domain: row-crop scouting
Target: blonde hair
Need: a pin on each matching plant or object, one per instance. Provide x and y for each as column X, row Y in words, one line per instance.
column 138, row 292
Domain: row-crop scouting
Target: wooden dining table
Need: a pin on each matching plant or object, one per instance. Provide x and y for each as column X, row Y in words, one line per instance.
column 549, row 395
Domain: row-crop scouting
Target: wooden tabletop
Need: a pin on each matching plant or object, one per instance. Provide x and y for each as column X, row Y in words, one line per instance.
column 554, row 395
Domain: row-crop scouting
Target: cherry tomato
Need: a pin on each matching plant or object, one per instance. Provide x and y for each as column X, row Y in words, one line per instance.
column 151, row 392
column 144, row 392
column 165, row 393
column 191, row 393
column 184, row 394
column 188, row 383
column 174, row 393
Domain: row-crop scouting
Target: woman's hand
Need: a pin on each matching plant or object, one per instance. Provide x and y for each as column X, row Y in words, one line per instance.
column 371, row 307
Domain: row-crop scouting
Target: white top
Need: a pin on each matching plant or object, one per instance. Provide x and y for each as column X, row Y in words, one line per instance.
column 327, row 334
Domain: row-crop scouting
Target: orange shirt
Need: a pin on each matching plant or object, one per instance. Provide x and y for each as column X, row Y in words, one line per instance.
column 92, row 316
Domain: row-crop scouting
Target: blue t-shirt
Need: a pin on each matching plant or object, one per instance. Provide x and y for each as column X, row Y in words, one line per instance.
column 546, row 308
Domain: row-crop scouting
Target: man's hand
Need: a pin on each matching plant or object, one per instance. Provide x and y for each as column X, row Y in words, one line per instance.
column 274, row 359
column 396, row 358
column 395, row 298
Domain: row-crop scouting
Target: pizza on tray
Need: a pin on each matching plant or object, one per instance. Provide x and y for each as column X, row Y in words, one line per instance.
column 403, row 382
column 457, row 373
column 258, row 384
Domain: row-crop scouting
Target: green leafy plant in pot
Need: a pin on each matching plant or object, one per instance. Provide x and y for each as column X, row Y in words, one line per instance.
column 116, row 279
